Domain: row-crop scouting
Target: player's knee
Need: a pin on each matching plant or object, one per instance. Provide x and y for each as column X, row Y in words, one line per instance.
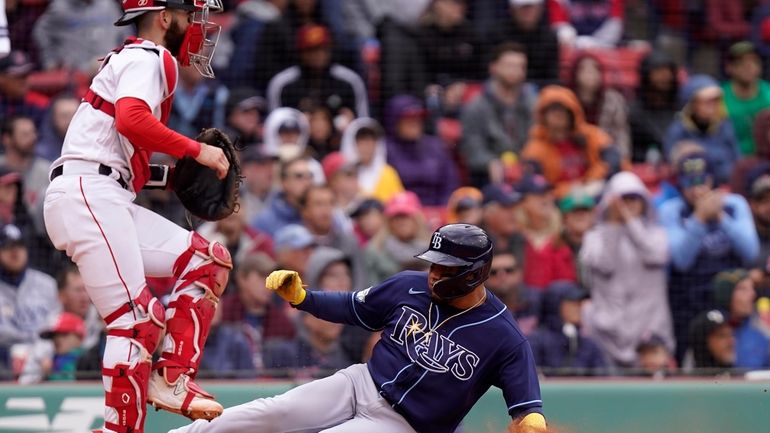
column 143, row 323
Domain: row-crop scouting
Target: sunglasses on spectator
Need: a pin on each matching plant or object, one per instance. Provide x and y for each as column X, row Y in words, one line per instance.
column 300, row 175
column 508, row 270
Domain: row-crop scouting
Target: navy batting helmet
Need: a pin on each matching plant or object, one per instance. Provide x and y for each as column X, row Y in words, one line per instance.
column 463, row 246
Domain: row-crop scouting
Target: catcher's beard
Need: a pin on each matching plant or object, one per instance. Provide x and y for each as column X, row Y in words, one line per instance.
column 174, row 38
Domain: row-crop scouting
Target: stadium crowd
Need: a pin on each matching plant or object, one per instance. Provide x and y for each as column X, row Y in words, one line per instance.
column 617, row 151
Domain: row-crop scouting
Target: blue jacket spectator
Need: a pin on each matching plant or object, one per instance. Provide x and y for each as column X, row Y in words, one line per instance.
column 708, row 231
column 734, row 293
column 704, row 120
column 227, row 352
column 282, row 207
column 198, row 104
column 422, row 161
column 557, row 344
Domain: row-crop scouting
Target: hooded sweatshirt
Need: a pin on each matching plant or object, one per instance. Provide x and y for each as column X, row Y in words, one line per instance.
column 652, row 111
column 547, row 154
column 717, row 138
column 425, row 166
column 626, row 268
column 272, row 141
column 378, row 179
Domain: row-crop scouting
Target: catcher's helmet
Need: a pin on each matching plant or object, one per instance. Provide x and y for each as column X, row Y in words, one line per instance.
column 463, row 246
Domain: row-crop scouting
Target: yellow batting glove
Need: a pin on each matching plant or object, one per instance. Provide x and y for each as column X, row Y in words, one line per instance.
column 287, row 284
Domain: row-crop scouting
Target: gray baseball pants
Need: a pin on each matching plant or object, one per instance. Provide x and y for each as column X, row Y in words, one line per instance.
column 345, row 402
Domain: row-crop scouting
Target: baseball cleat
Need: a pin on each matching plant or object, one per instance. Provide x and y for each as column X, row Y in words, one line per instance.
column 182, row 396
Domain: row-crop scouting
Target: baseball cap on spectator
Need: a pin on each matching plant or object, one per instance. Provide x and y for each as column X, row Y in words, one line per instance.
column 405, row 203
column 500, row 193
column 462, row 199
column 525, row 2
column 533, row 184
column 758, row 180
column 365, row 206
column 706, row 323
column 568, row 291
column 11, row 235
column 334, row 163
column 289, row 124
column 16, row 64
column 723, row 285
column 693, row 170
column 650, row 342
column 740, row 49
column 576, row 200
column 244, row 99
column 8, row 176
column 66, row 323
column 293, row 237
column 311, row 36
column 257, row 153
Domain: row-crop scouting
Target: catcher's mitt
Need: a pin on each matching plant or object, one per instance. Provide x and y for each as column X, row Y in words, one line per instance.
column 199, row 189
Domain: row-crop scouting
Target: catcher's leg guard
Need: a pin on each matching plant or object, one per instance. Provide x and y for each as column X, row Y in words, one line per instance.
column 134, row 331
column 202, row 271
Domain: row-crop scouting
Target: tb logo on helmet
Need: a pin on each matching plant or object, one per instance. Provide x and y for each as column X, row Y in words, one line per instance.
column 436, row 241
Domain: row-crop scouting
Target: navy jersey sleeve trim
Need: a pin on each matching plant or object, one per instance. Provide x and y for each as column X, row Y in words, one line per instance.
column 360, row 321
column 539, row 402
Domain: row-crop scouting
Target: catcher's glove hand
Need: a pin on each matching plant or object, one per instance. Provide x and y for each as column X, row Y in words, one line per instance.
column 199, row 188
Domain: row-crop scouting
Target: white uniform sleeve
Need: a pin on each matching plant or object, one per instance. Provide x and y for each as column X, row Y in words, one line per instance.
column 137, row 75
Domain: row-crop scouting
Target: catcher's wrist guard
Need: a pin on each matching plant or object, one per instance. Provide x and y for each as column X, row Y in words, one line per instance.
column 159, row 177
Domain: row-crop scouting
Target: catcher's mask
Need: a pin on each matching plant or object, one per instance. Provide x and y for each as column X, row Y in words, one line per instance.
column 201, row 36
column 462, row 246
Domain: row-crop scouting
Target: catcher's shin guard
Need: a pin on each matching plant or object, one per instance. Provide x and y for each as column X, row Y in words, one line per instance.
column 137, row 333
column 188, row 320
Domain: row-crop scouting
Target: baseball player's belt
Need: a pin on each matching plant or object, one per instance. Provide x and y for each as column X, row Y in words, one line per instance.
column 81, row 167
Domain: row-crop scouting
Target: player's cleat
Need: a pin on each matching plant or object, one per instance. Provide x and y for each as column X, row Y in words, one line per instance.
column 182, row 396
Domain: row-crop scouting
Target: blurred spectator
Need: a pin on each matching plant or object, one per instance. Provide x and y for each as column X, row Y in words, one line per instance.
column 342, row 177
column 528, row 26
column 500, row 203
column 761, row 133
column 235, row 234
column 604, row 106
column 653, row 358
column 759, row 199
column 363, row 144
column 27, row 296
column 422, row 161
column 368, row 220
column 198, row 103
column 726, row 22
column 74, row 34
column 330, row 226
column 403, row 69
column 562, row 144
column 258, row 169
column 578, row 217
column 712, row 344
column 708, row 231
column 557, row 344
column 245, row 111
column 745, row 93
column 392, row 250
column 15, row 97
column 704, row 121
column 316, row 80
column 654, row 107
column 56, row 359
column 19, row 138
column 227, row 352
column 260, row 314
column 260, row 42
column 287, row 132
column 74, row 299
column 498, row 120
column 324, row 137
column 451, row 51
column 55, row 126
column 734, row 294
column 546, row 258
column 588, row 23
column 318, row 342
column 465, row 206
column 293, row 246
column 505, row 281
column 625, row 258
column 282, row 208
